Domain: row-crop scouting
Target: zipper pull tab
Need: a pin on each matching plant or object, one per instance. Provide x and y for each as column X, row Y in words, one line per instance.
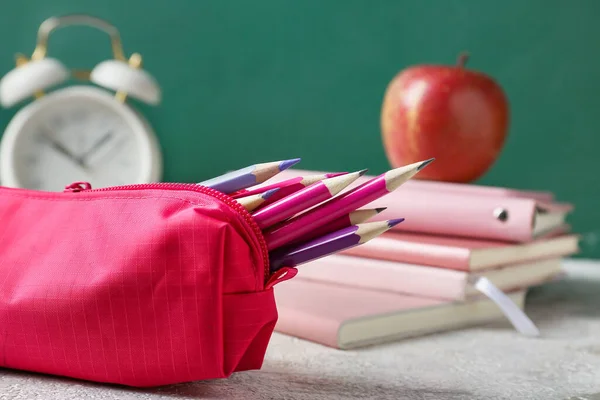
column 282, row 274
column 78, row 187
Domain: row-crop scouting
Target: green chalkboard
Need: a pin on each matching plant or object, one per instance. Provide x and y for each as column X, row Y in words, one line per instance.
column 249, row 81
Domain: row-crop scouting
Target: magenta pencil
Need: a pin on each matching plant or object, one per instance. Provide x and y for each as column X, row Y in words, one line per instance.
column 303, row 199
column 327, row 212
column 353, row 218
column 334, row 242
column 287, row 186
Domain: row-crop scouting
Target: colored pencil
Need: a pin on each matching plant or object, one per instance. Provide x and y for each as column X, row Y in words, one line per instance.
column 353, row 218
column 351, row 200
column 250, row 203
column 334, row 242
column 288, row 186
column 303, row 199
column 248, row 176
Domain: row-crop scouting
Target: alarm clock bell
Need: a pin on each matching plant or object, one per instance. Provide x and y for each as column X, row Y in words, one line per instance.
column 30, row 78
column 45, row 144
column 126, row 78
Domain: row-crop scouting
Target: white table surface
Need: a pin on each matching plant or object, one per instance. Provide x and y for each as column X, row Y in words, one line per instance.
column 488, row 362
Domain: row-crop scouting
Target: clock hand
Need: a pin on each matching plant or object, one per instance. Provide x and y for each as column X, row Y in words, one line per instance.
column 114, row 147
column 95, row 146
column 61, row 149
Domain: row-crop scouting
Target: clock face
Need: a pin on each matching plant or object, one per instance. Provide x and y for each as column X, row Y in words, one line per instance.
column 79, row 135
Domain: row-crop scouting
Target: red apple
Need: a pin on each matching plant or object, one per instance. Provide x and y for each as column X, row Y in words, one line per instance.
column 457, row 115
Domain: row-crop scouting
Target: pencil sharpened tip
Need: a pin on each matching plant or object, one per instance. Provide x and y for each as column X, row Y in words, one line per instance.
column 288, row 163
column 334, row 174
column 269, row 193
column 425, row 163
column 394, row 222
column 362, row 172
column 380, row 209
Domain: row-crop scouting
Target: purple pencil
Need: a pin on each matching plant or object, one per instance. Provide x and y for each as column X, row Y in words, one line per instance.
column 345, row 203
column 248, row 176
column 331, row 243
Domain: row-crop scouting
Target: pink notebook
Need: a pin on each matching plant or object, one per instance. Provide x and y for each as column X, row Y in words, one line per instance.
column 423, row 281
column 463, row 254
column 504, row 215
column 345, row 317
column 459, row 188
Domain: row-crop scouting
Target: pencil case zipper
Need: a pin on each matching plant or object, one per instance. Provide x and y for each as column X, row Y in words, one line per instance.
column 192, row 187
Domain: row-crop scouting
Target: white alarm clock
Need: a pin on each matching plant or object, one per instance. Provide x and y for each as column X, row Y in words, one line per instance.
column 84, row 132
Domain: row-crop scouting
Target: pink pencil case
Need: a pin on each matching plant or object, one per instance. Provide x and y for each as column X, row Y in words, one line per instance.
column 141, row 285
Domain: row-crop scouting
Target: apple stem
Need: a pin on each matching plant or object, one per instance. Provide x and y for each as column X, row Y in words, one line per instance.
column 462, row 59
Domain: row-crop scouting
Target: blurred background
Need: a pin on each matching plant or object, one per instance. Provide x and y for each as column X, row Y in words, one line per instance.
column 245, row 82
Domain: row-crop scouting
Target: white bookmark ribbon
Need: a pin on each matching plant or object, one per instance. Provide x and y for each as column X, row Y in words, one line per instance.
column 515, row 315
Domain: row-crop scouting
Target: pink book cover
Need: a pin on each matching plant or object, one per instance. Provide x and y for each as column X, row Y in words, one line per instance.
column 420, row 280
column 321, row 312
column 464, row 254
column 456, row 213
column 315, row 311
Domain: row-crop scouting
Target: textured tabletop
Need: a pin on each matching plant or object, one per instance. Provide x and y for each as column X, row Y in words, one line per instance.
column 489, row 362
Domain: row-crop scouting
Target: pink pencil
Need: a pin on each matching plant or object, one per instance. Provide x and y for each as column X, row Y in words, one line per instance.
column 288, row 186
column 375, row 188
column 303, row 199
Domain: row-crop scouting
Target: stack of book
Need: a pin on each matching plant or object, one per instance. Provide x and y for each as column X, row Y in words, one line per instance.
column 442, row 268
